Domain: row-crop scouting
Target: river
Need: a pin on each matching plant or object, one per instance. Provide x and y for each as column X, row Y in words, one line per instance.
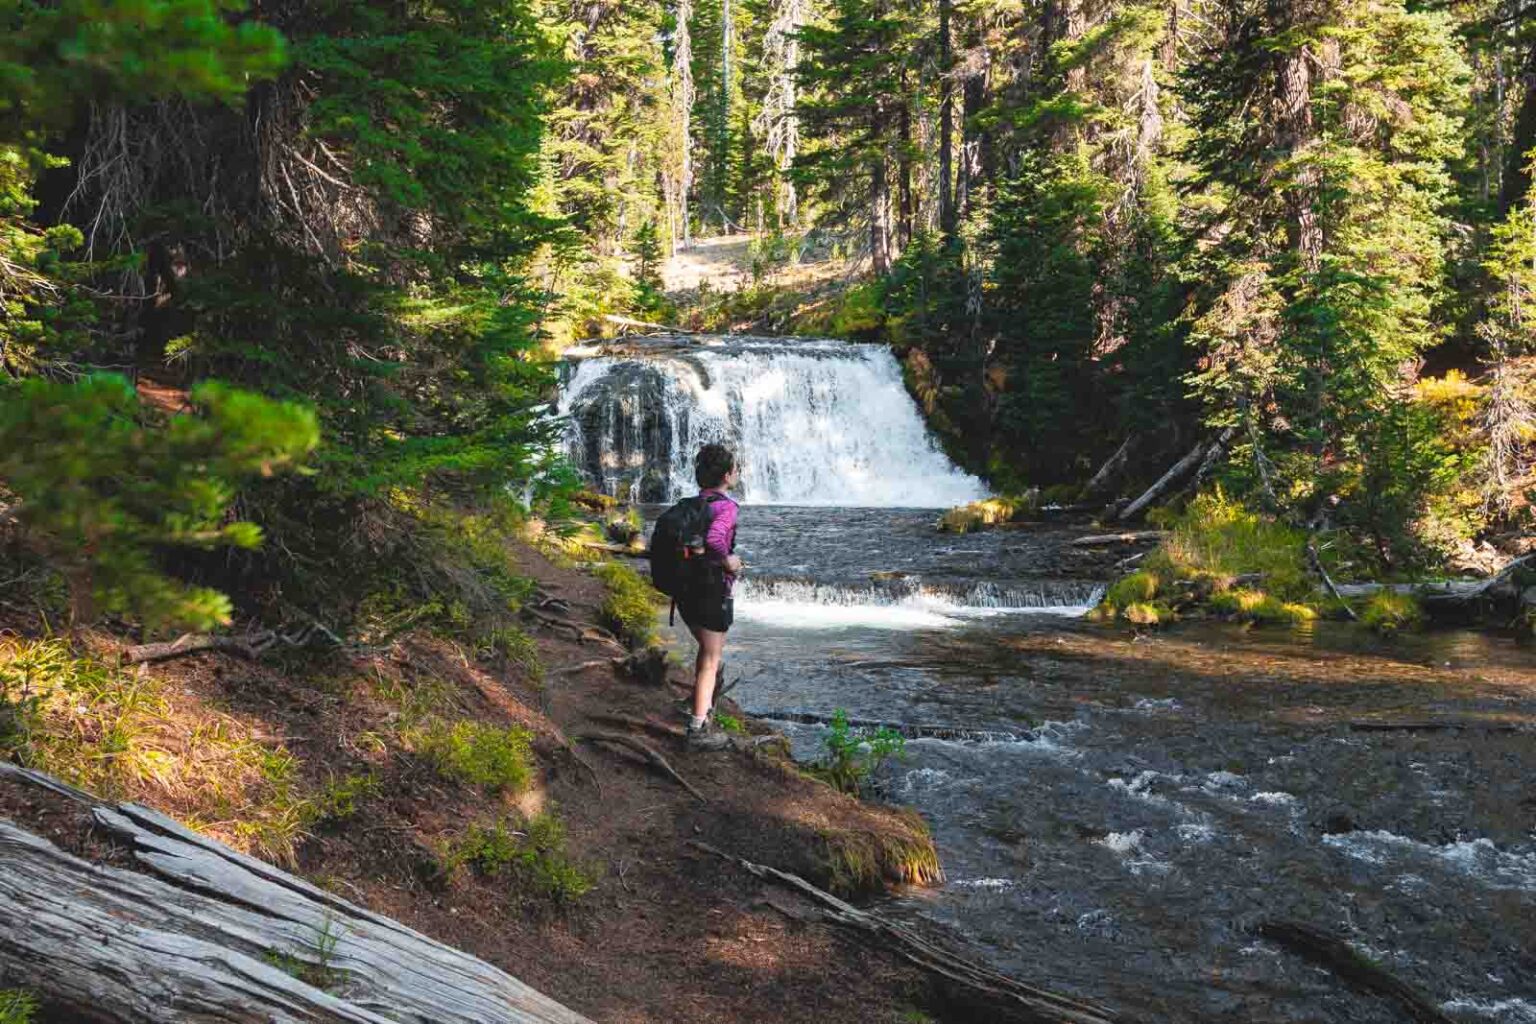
column 1115, row 811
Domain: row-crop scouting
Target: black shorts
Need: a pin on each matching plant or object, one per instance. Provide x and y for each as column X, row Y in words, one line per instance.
column 714, row 614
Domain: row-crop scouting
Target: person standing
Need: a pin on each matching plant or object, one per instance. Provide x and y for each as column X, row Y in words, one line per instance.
column 708, row 609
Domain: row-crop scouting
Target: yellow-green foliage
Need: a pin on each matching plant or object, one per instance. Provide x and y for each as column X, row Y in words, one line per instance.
column 859, row 312
column 631, row 605
column 1388, row 611
column 120, row 734
column 498, row 757
column 1212, row 543
column 1218, row 539
column 532, row 852
column 16, row 1006
column 341, row 798
column 1249, row 605
column 859, row 861
column 979, row 515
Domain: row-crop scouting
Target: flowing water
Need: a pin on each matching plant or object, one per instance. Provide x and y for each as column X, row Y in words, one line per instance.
column 1116, row 813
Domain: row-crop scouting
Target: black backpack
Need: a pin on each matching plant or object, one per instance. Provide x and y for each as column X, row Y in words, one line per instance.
column 678, row 568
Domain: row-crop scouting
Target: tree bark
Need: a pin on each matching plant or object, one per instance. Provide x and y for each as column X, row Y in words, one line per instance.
column 1517, row 176
column 192, row 935
column 947, row 222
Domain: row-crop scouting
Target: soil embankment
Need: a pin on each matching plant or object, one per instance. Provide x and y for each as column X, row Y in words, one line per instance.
column 666, row 933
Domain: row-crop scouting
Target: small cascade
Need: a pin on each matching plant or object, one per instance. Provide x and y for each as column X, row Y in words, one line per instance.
column 815, row 423
column 919, row 593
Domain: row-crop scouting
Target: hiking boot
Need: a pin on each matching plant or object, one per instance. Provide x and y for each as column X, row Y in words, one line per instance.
column 706, row 738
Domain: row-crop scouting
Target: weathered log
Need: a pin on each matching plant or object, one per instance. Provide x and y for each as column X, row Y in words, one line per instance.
column 1025, row 1001
column 624, row 321
column 195, row 935
column 1340, row 957
column 1333, row 590
column 1097, row 540
column 645, row 750
column 1174, row 474
column 1111, row 466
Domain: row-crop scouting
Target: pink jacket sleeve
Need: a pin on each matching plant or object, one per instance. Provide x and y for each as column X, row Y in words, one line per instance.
column 717, row 541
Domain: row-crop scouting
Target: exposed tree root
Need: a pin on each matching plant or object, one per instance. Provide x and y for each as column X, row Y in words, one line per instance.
column 651, row 755
column 1026, row 1002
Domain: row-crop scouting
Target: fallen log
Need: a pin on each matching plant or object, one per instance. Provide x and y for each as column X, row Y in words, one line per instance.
column 249, row 647
column 1338, row 956
column 1111, row 466
column 1333, row 590
column 645, row 750
column 1105, row 539
column 1027, row 1002
column 1383, row 725
column 1174, row 474
column 197, row 933
column 630, row 322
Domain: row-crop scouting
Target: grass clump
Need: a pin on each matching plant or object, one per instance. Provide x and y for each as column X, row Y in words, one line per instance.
column 730, row 723
column 1210, row 546
column 314, row 966
column 630, row 606
column 850, row 757
column 863, row 860
column 532, row 853
column 341, row 798
column 497, row 757
column 979, row 515
column 17, row 1006
column 1388, row 612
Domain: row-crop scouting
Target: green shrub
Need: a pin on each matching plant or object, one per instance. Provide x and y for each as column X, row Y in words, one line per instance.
column 1217, row 539
column 630, row 606
column 1388, row 611
column 102, row 488
column 17, row 1006
column 532, row 852
column 498, row 757
column 851, row 758
column 730, row 723
column 979, row 515
column 1138, row 586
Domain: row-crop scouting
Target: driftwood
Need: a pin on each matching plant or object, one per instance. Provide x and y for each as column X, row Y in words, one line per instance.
column 1333, row 590
column 651, row 754
column 197, row 932
column 1098, row 540
column 1026, row 1001
column 1386, row 725
column 1338, row 956
column 1111, row 466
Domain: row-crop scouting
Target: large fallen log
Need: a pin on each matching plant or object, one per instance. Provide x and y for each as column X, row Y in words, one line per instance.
column 1021, row 1002
column 202, row 932
column 1111, row 467
column 1174, row 474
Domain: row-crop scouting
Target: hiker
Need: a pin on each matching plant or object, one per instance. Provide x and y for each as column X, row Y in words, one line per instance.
column 707, row 608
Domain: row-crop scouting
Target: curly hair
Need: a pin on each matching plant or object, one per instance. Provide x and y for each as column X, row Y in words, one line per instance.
column 712, row 464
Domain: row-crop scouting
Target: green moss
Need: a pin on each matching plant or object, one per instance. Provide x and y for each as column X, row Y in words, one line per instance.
column 531, row 853
column 1138, row 586
column 630, row 606
column 1388, row 612
column 498, row 757
column 979, row 515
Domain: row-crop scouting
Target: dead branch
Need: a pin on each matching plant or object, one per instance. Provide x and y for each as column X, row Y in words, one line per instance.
column 1338, row 956
column 249, row 647
column 1111, row 466
column 1105, row 539
column 580, row 667
column 651, row 755
column 1317, row 567
column 1175, row 472
column 1033, row 1004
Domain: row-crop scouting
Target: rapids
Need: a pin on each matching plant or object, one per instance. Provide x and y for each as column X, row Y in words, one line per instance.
column 1116, row 812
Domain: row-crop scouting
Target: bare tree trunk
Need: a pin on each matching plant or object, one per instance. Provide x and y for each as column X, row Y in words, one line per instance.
column 1295, row 130
column 683, row 60
column 1517, row 177
column 904, row 170
column 947, row 223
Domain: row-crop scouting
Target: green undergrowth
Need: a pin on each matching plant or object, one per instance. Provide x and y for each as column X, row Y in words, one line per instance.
column 1222, row 558
column 529, row 853
column 499, row 758
column 1389, row 612
column 312, row 965
column 123, row 735
column 850, row 757
column 17, row 1006
column 631, row 603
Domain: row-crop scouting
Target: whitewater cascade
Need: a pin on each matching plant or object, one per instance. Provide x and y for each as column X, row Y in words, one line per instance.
column 814, row 422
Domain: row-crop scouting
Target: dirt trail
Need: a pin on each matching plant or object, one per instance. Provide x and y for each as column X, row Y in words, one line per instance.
column 668, row 935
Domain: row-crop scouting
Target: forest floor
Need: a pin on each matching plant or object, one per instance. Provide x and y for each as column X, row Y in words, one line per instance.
column 724, row 264
column 666, row 935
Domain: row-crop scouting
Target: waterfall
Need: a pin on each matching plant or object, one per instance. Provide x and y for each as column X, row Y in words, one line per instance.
column 813, row 422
